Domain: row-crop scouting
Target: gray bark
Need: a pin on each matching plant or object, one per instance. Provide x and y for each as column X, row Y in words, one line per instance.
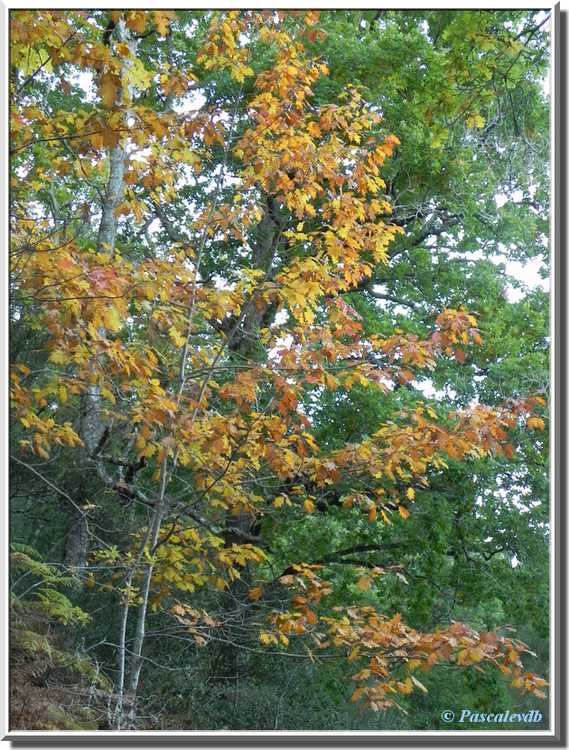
column 92, row 426
column 76, row 542
column 113, row 195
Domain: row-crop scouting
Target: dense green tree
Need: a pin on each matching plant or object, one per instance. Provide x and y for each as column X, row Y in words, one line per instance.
column 198, row 192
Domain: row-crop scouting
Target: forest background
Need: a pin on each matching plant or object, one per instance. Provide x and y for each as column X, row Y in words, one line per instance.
column 279, row 452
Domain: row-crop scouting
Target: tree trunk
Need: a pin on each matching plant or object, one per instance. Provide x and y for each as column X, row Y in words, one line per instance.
column 92, row 426
column 140, row 631
column 76, row 542
column 113, row 195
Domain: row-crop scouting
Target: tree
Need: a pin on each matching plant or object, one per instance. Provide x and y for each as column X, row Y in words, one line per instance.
column 199, row 214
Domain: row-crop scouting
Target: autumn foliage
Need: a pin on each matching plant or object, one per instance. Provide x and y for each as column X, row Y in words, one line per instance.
column 182, row 387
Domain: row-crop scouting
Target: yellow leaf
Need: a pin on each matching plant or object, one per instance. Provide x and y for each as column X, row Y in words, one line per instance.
column 109, row 395
column 475, row 121
column 58, row 357
column 176, row 337
column 138, row 76
column 462, row 657
column 309, row 506
column 62, row 393
column 112, row 319
column 163, row 19
column 123, row 49
column 410, row 494
column 89, row 506
column 372, row 514
column 364, row 583
column 438, row 137
column 189, row 157
column 403, row 512
column 314, row 130
column 27, row 59
column 149, row 451
column 109, row 87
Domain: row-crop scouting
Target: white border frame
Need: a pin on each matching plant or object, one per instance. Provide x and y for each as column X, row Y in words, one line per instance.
column 296, row 737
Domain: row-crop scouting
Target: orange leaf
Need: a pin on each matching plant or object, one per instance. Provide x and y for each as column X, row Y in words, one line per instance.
column 136, row 20
column 255, row 594
column 357, row 694
column 535, row 423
